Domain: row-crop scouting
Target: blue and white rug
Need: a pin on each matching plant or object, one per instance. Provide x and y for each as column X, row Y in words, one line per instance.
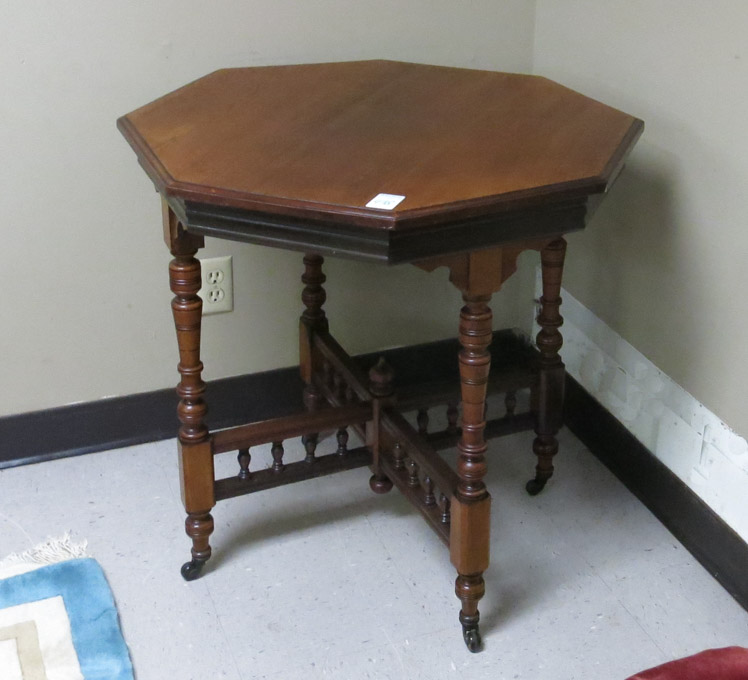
column 58, row 621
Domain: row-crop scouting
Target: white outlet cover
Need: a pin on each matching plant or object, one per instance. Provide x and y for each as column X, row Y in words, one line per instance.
column 217, row 290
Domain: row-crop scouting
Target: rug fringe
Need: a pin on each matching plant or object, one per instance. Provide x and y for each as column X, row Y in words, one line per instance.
column 53, row 550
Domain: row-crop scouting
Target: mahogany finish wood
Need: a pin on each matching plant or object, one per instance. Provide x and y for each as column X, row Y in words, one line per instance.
column 276, row 429
column 312, row 320
column 269, row 478
column 489, row 165
column 497, row 427
column 401, row 479
column 346, row 369
column 477, row 275
column 381, row 387
column 419, row 450
column 455, row 142
column 551, row 372
column 195, row 455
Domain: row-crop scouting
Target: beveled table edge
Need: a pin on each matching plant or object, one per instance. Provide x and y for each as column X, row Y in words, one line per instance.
column 369, row 218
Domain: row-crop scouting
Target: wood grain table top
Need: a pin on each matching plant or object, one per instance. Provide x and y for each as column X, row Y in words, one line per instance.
column 318, row 142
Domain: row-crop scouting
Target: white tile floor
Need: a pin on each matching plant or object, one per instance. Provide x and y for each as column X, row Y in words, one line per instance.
column 324, row 579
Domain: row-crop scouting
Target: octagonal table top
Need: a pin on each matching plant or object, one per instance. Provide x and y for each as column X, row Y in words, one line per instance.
column 355, row 149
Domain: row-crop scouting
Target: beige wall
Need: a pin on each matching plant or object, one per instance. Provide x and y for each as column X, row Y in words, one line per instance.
column 664, row 261
column 85, row 294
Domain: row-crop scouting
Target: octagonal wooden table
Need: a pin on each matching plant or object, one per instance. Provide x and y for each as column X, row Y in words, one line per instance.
column 396, row 163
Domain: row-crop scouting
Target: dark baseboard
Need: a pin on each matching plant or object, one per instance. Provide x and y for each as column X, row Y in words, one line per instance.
column 151, row 416
column 702, row 532
column 136, row 419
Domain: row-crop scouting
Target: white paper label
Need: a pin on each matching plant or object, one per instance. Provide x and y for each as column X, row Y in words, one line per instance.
column 384, row 201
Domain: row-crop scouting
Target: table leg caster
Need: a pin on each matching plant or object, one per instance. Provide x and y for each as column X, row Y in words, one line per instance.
column 192, row 569
column 535, row 486
column 471, row 635
column 380, row 484
column 470, row 632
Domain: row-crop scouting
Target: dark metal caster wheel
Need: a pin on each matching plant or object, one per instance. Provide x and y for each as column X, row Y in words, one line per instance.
column 380, row 484
column 192, row 569
column 472, row 638
column 535, row 486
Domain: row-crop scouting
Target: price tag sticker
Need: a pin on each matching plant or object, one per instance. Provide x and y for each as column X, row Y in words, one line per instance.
column 385, row 201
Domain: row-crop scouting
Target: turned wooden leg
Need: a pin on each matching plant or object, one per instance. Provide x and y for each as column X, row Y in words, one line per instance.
column 549, row 395
column 381, row 386
column 470, row 508
column 195, row 453
column 313, row 319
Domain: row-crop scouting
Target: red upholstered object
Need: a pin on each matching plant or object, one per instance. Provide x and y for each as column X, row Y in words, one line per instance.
column 729, row 663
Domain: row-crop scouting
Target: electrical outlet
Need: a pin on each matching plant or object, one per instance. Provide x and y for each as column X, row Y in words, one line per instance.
column 217, row 289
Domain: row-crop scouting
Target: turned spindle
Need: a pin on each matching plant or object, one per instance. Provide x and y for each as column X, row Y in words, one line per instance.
column 310, row 446
column 398, row 453
column 428, row 492
column 381, row 379
column 187, row 306
column 277, row 452
column 444, row 505
column 412, row 468
column 244, row 458
column 475, row 363
column 342, row 439
column 313, row 296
